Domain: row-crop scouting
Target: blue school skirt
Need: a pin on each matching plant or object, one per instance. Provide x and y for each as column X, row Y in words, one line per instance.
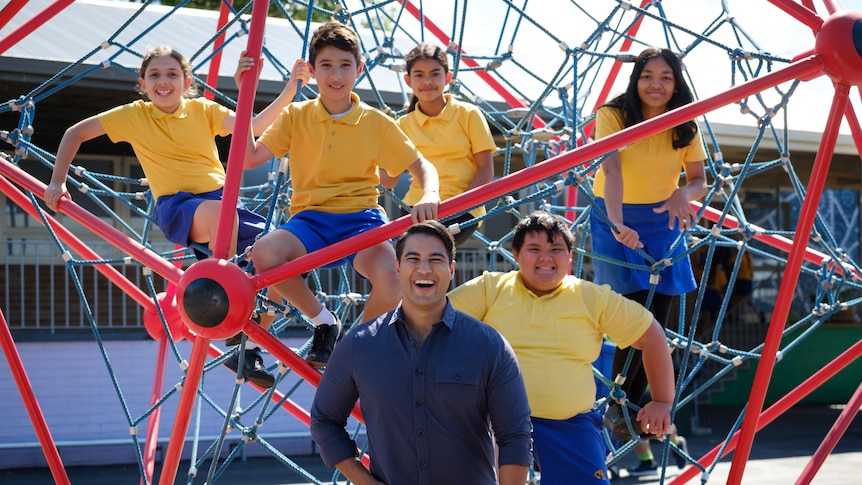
column 657, row 239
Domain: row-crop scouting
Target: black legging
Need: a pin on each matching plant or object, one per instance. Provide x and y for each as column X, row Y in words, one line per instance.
column 636, row 382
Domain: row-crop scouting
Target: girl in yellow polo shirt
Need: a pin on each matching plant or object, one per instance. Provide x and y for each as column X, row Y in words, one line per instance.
column 452, row 135
column 173, row 136
column 639, row 189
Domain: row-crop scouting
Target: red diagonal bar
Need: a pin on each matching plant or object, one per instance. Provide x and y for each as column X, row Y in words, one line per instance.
column 776, row 241
column 14, row 194
column 803, row 15
column 508, row 97
column 49, row 448
column 548, row 168
column 99, row 227
column 835, row 433
column 34, row 23
column 290, row 359
column 780, row 407
column 9, row 11
column 788, row 283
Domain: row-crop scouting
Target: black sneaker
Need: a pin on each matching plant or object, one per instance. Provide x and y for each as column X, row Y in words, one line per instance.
column 644, row 469
column 615, row 421
column 253, row 369
column 681, row 461
column 324, row 340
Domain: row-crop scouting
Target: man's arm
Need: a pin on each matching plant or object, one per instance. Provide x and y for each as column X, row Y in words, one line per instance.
column 655, row 415
column 356, row 472
column 513, row 474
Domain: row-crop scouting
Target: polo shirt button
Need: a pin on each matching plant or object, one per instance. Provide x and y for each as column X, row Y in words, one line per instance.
column 421, row 432
column 418, row 372
column 458, row 376
column 423, row 464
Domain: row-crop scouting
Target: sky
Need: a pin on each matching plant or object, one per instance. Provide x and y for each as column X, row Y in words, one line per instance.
column 536, row 51
column 770, row 29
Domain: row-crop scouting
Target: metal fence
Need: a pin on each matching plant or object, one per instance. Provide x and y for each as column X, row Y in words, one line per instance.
column 39, row 295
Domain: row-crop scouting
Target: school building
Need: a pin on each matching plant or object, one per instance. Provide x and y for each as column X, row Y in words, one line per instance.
column 45, row 314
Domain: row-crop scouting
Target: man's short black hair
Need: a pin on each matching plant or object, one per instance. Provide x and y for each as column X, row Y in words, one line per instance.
column 543, row 222
column 430, row 228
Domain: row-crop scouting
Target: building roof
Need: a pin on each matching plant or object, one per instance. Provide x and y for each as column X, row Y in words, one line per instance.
column 78, row 33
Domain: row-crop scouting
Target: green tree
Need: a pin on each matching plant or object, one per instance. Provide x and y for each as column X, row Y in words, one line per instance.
column 295, row 11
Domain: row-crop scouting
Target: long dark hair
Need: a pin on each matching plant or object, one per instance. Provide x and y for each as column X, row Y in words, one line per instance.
column 629, row 103
column 425, row 51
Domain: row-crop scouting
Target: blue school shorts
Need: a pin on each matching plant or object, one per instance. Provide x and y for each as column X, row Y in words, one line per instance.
column 657, row 239
column 174, row 215
column 317, row 230
column 570, row 451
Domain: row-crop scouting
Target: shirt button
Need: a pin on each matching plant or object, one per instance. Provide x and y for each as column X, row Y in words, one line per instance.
column 419, row 403
column 423, row 464
column 413, row 343
column 458, row 376
column 418, row 372
column 333, row 133
column 329, row 147
column 421, row 432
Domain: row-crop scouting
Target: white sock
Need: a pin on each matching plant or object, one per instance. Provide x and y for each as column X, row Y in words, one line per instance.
column 325, row 317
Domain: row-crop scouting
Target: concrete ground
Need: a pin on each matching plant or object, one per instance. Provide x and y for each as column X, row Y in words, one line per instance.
column 779, row 454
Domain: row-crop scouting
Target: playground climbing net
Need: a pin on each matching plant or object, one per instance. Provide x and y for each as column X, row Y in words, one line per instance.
column 537, row 73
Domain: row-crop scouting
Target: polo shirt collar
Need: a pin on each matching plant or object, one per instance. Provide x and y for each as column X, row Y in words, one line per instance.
column 519, row 282
column 448, row 113
column 180, row 113
column 351, row 118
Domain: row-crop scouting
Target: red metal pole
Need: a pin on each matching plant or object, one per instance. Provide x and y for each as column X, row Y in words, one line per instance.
column 225, row 230
column 800, row 13
column 184, row 411
column 781, row 406
column 778, row 242
column 29, row 26
column 152, row 440
column 99, row 227
column 837, row 431
column 788, row 283
column 55, row 464
column 548, row 168
column 74, row 243
column 215, row 62
column 9, row 11
column 244, row 108
column 290, row 359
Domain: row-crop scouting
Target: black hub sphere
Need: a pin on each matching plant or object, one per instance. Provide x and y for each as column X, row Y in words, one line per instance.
column 206, row 302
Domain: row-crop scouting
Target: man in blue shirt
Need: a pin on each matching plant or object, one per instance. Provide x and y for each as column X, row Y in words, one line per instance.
column 429, row 381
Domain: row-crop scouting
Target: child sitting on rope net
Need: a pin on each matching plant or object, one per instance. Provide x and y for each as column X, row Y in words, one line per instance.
column 173, row 136
column 452, row 135
column 337, row 148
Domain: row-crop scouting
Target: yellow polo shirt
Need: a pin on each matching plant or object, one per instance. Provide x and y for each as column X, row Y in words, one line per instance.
column 334, row 161
column 449, row 141
column 557, row 336
column 651, row 167
column 177, row 151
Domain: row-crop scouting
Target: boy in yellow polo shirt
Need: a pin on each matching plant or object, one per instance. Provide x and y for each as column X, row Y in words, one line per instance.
column 337, row 146
column 556, row 322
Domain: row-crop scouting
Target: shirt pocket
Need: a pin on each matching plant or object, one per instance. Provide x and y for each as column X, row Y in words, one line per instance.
column 456, row 388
